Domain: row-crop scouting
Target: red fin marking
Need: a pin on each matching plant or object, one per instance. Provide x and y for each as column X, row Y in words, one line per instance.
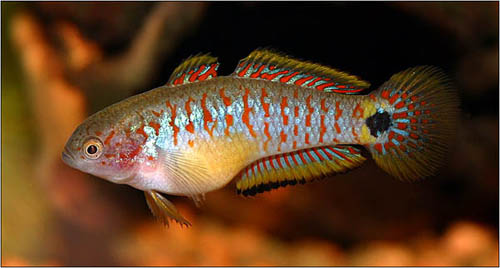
column 393, row 98
column 301, row 81
column 193, row 77
column 210, row 72
column 257, row 73
column 272, row 76
column 322, row 86
column 287, row 78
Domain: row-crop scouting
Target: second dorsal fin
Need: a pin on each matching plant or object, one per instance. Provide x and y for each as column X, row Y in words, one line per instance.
column 272, row 66
column 194, row 69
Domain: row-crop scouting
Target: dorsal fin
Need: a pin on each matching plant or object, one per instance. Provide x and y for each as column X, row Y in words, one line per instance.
column 273, row 66
column 299, row 166
column 194, row 69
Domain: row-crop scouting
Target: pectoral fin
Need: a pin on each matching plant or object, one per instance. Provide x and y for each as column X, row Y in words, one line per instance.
column 164, row 210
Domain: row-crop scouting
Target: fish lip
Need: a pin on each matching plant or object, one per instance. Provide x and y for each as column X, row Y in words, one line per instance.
column 67, row 157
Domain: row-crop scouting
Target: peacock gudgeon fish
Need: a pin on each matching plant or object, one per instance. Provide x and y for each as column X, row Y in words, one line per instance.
column 275, row 121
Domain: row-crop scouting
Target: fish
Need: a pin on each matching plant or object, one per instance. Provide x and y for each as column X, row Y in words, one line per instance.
column 275, row 121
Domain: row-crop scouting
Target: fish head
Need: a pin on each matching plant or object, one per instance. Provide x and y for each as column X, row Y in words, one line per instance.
column 105, row 146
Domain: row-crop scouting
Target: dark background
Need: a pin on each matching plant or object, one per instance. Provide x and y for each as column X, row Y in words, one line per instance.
column 52, row 214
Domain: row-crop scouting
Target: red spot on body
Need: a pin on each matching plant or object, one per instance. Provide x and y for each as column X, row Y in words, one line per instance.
column 402, row 147
column 418, row 112
column 108, row 138
column 191, row 143
column 246, row 113
column 322, row 128
column 400, row 138
column 98, row 133
column 284, row 104
column 294, row 144
column 296, row 130
column 173, row 111
column 378, row 147
column 338, row 111
column 358, row 111
column 372, row 96
column 155, row 126
column 296, row 93
column 323, row 106
column 229, row 123
column 207, row 117
column 157, row 114
column 414, row 136
column 306, row 139
column 187, row 106
column 225, row 99
column 337, row 128
column 310, row 109
column 150, row 158
column 268, row 135
column 140, row 131
column 265, row 105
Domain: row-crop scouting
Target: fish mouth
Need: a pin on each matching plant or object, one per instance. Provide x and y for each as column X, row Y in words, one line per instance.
column 67, row 157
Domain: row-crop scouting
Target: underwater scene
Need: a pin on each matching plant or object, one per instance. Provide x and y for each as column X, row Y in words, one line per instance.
column 250, row 134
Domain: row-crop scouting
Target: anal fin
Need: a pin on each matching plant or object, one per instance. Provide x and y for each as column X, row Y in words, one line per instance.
column 164, row 210
column 297, row 167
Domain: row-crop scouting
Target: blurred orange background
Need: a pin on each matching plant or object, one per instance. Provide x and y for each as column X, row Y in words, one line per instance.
column 63, row 61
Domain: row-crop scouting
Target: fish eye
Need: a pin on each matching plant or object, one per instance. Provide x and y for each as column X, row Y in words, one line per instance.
column 92, row 148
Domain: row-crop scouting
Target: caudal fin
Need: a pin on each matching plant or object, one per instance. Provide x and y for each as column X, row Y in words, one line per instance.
column 423, row 110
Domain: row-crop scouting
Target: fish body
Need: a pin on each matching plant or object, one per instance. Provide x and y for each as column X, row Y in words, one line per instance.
column 275, row 121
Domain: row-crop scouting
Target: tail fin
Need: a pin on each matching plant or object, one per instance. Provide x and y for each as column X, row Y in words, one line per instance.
column 423, row 110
